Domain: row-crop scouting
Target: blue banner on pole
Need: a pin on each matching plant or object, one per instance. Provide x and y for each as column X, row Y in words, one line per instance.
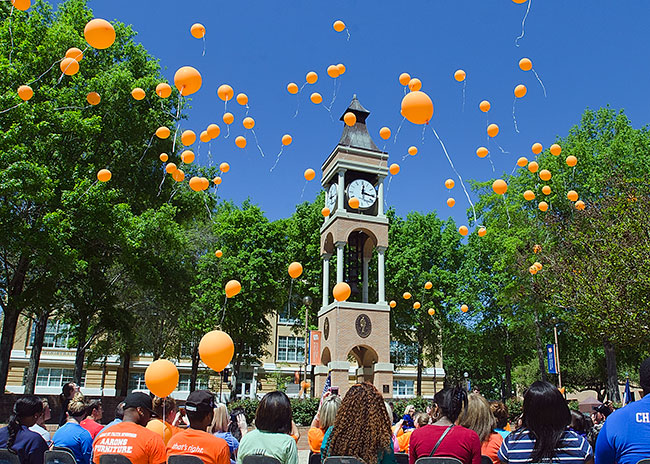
column 550, row 355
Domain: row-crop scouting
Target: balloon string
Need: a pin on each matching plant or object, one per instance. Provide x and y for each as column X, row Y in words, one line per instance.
column 506, row 206
column 348, row 32
column 540, row 82
column 514, row 118
column 247, row 109
column 289, row 302
column 277, row 159
column 203, row 54
column 223, row 312
column 88, row 190
column 464, row 87
column 205, row 200
column 11, row 35
column 13, row 107
column 210, row 153
column 329, row 111
column 502, row 150
column 423, row 129
column 257, row 143
column 161, row 183
column 333, row 97
column 297, row 105
column 457, row 173
column 303, row 190
column 399, row 128
column 523, row 23
column 174, row 192
column 48, row 70
column 227, row 131
column 145, row 150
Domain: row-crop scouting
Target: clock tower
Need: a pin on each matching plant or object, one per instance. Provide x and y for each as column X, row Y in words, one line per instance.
column 356, row 238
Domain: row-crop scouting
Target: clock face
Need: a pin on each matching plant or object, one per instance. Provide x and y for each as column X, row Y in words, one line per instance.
column 363, row 191
column 330, row 197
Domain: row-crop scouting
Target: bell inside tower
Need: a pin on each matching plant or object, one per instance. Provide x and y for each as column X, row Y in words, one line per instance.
column 354, row 262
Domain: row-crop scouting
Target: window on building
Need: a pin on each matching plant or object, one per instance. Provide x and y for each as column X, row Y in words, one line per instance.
column 291, row 349
column 57, row 334
column 402, row 354
column 136, row 381
column 54, row 377
column 288, row 315
column 403, row 388
column 184, row 383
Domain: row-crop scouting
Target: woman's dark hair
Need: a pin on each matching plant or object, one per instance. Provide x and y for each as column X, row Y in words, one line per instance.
column 26, row 406
column 579, row 422
column 92, row 405
column 500, row 413
column 233, row 427
column 451, row 402
column 546, row 415
column 274, row 413
column 67, row 389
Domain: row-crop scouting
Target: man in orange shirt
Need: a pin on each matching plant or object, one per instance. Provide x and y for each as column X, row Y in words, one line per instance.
column 195, row 440
column 130, row 438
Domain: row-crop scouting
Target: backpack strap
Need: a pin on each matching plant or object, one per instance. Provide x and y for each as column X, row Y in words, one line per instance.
column 444, row 434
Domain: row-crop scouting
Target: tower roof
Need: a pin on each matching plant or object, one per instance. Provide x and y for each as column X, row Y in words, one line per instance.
column 357, row 136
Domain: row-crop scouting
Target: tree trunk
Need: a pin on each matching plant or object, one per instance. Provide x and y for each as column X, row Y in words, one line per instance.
column 435, row 376
column 418, row 381
column 126, row 367
column 541, row 352
column 80, row 355
column 508, row 381
column 40, row 325
column 612, row 376
column 195, row 366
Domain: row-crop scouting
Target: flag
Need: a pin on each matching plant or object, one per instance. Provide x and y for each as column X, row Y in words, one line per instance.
column 326, row 387
column 627, row 396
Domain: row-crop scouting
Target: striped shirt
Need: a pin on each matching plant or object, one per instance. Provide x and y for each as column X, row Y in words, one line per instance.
column 517, row 448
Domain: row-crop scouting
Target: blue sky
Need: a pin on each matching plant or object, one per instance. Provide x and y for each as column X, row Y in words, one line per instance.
column 588, row 54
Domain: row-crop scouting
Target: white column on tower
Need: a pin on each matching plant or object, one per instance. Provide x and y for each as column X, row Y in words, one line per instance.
column 326, row 279
column 380, row 197
column 340, row 201
column 381, row 295
column 364, row 295
column 340, row 246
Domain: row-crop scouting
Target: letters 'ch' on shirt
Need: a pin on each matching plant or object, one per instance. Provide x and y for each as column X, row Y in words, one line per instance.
column 625, row 436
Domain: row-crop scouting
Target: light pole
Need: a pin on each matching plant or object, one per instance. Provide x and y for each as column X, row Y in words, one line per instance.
column 466, row 375
column 307, row 302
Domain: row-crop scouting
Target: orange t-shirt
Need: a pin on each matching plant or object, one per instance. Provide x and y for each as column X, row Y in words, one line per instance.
column 139, row 444
column 490, row 448
column 315, row 438
column 403, row 441
column 163, row 428
column 203, row 445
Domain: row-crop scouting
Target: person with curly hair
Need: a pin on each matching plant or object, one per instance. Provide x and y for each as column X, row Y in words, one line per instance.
column 362, row 428
column 477, row 416
column 16, row 436
column 444, row 437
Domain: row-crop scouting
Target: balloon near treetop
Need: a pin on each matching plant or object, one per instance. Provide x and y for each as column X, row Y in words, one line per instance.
column 417, row 107
column 187, row 80
column 163, row 90
column 161, row 378
column 216, row 350
column 99, row 33
column 104, row 175
column 499, row 186
column 25, row 92
column 295, row 270
column 233, row 287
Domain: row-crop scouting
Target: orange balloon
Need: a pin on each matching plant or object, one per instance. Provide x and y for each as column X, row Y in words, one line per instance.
column 216, row 350
column 228, row 118
column 417, row 305
column 204, row 136
column 225, row 92
column 213, row 131
column 520, row 90
column 93, row 98
column 350, row 119
column 406, row 296
column 555, row 149
column 459, row 75
column 482, row 231
column 242, row 99
column 295, row 269
column 196, row 184
column 546, row 190
column 240, row 141
column 353, row 202
column 341, row 291
column 333, row 71
column 233, row 287
column 292, row 88
column 69, row 66
column 138, row 93
column 311, row 77
column 463, row 230
column 394, row 168
column 428, row 285
column 481, row 152
column 538, row 265
column 178, row 175
column 492, row 130
column 384, row 133
column 163, row 132
column 161, row 378
column 571, row 160
column 525, row 64
column 537, row 248
column 449, row 183
column 545, row 174
column 484, row 106
column 309, row 174
column 529, row 195
column 104, row 175
column 218, row 254
column 188, row 137
column 248, row 122
column 580, row 205
column 415, row 84
column 171, row 168
column 163, row 157
column 533, row 166
column 187, row 80
column 392, row 303
column 187, row 157
column 533, row 270
column 325, row 212
column 537, row 148
column 25, row 92
column 217, row 181
column 338, row 26
column 163, row 90
column 431, row 311
column 22, row 5
column 197, row 30
column 206, row 183
column 572, row 195
column 316, row 98
column 451, row 202
column 499, row 186
column 543, row 206
column 99, row 33
column 464, row 308
column 404, row 78
column 413, row 150
column 74, row 53
column 161, row 428
column 286, row 139
column 523, row 161
column 417, row 107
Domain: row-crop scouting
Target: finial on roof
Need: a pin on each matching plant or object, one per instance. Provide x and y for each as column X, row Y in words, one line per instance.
column 357, row 135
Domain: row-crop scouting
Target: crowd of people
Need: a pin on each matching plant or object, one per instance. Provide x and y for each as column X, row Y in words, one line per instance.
column 361, row 424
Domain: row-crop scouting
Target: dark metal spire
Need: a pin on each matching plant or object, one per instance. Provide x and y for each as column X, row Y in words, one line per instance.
column 357, row 136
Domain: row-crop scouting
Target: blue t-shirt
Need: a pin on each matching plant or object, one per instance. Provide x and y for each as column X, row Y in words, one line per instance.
column 29, row 445
column 233, row 443
column 74, row 437
column 625, row 436
column 517, row 448
column 408, row 422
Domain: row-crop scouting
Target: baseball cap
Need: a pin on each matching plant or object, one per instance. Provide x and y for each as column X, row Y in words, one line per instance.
column 138, row 400
column 604, row 410
column 200, row 400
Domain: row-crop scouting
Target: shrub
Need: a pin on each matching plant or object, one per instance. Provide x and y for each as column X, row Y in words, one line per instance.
column 303, row 410
column 515, row 407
